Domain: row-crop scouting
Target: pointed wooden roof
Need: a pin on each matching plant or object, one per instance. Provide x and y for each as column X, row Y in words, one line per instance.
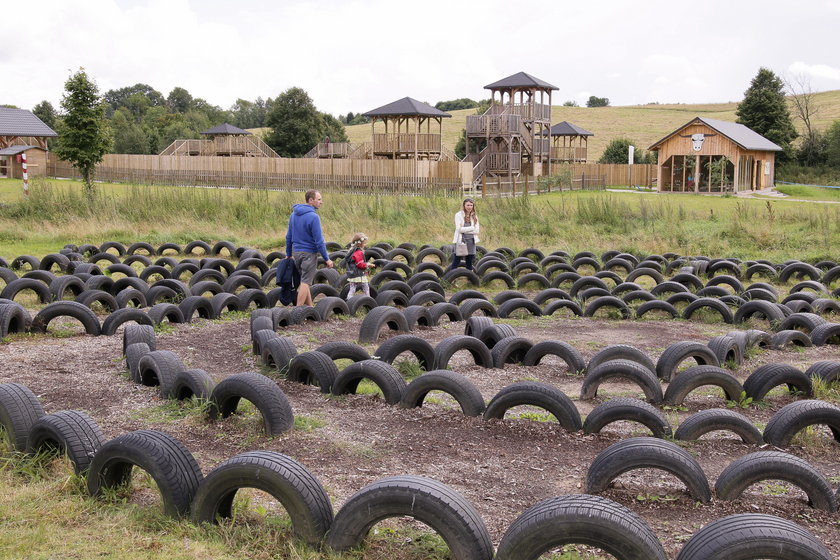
column 520, row 80
column 20, row 122
column 566, row 128
column 224, row 129
column 406, row 107
column 744, row 136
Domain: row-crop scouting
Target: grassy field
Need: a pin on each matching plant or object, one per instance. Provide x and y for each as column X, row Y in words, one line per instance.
column 57, row 212
column 644, row 124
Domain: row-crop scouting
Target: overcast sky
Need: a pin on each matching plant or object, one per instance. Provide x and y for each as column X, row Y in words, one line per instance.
column 359, row 55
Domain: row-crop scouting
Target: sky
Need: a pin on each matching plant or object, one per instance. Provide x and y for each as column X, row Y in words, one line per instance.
column 357, row 55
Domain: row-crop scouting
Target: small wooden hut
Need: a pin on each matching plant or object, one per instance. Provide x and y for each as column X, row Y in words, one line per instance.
column 402, row 136
column 224, row 140
column 710, row 155
column 22, row 132
column 568, row 143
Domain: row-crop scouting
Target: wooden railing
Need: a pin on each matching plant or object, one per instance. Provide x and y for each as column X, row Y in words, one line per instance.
column 389, row 143
column 447, row 154
column 491, row 125
column 569, row 153
column 528, row 112
column 360, row 151
column 249, row 146
column 497, row 161
column 330, row 150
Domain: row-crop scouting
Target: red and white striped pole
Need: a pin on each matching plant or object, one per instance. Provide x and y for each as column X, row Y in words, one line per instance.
column 25, row 174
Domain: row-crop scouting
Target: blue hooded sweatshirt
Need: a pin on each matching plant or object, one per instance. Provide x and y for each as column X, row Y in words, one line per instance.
column 304, row 233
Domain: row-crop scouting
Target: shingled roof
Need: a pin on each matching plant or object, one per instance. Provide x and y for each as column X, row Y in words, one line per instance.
column 406, row 107
column 520, row 80
column 224, row 129
column 20, row 122
column 566, row 128
column 745, row 137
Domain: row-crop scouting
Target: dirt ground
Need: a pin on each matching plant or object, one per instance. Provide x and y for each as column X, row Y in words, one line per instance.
column 501, row 466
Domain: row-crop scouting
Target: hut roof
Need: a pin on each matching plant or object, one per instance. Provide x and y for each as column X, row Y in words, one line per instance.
column 224, row 129
column 20, row 122
column 566, row 128
column 520, row 80
column 745, row 137
column 406, row 107
column 15, row 150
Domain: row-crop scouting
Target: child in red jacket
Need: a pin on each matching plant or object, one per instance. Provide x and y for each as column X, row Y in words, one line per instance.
column 357, row 268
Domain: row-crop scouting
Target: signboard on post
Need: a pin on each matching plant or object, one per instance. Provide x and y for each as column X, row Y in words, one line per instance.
column 631, row 150
column 25, row 175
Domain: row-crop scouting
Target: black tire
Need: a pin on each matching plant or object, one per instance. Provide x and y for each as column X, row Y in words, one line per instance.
column 647, row 452
column 262, row 392
column 91, row 296
column 259, row 339
column 651, row 273
column 313, row 368
column 289, row 482
column 716, row 419
column 470, row 306
column 727, row 350
column 191, row 383
column 360, row 301
column 131, row 296
column 196, row 304
column 417, row 316
column 427, row 500
column 768, row 376
column 133, row 353
column 624, row 369
column 656, row 305
column 607, row 301
column 579, row 519
column 620, row 352
column 160, row 311
column 563, row 350
column 475, row 326
column 388, row 379
column 508, row 295
column 828, row 333
column 331, row 306
column 675, row 354
column 13, row 319
column 298, row 315
column 799, row 270
column 340, row 350
column 61, row 285
column 783, row 339
column 751, row 535
column 505, row 309
column 827, row 370
column 709, row 303
column 510, row 350
column 159, row 368
column 424, row 297
column 494, row 275
column 169, row 463
column 449, row 345
column 535, row 277
column 19, row 410
column 494, row 333
column 775, row 465
column 699, row 376
column 625, row 408
column 438, row 310
column 453, row 275
column 759, row 307
column 139, row 333
column 796, row 416
column 72, row 309
column 69, row 432
column 378, row 318
column 278, row 352
column 454, row 384
column 542, row 395
column 396, row 345
column 562, row 304
column 806, row 322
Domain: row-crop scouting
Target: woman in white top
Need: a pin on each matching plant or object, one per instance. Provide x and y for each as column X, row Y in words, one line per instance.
column 466, row 235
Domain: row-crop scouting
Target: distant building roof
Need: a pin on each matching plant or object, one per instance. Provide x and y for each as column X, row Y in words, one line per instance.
column 566, row 128
column 407, row 106
column 520, row 79
column 20, row 122
column 744, row 136
column 15, row 150
column 225, row 129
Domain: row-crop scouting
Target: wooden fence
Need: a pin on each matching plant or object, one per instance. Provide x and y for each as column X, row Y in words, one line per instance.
column 615, row 174
column 334, row 175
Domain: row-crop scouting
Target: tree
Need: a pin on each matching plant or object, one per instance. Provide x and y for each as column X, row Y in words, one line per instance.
column 129, row 137
column 333, row 128
column 805, row 107
column 616, row 152
column 832, row 150
column 46, row 112
column 84, row 134
column 179, row 100
column 116, row 97
column 296, row 125
column 764, row 110
column 597, row 101
column 456, row 104
column 572, row 103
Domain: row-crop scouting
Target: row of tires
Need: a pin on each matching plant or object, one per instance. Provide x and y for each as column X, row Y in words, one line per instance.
column 573, row 519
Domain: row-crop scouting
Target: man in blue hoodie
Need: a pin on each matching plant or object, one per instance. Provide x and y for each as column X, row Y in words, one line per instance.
column 304, row 242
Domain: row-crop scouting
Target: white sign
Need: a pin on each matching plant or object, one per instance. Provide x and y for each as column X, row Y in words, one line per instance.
column 630, row 150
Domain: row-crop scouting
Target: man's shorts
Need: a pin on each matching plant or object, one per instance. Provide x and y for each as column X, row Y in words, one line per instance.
column 307, row 264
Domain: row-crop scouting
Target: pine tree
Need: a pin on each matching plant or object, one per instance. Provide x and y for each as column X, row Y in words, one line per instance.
column 765, row 110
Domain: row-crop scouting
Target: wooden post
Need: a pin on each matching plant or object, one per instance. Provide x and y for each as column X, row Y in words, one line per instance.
column 483, row 185
column 513, row 185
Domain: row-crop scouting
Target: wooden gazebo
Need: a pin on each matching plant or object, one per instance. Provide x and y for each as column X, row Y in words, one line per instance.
column 403, row 136
column 509, row 138
column 568, row 143
column 22, row 132
column 710, row 155
column 224, row 140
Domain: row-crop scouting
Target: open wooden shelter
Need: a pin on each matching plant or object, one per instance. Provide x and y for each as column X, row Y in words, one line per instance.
column 568, row 142
column 510, row 137
column 224, row 140
column 22, row 132
column 710, row 155
column 403, row 135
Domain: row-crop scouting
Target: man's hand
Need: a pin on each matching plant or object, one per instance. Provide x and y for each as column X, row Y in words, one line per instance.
column 330, row 264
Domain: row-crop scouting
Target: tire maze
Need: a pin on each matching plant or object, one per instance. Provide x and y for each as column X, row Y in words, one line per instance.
column 417, row 299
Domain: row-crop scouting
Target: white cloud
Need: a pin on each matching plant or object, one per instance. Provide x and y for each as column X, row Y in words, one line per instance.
column 815, row 70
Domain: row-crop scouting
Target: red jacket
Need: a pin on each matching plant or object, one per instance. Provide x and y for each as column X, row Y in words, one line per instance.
column 358, row 257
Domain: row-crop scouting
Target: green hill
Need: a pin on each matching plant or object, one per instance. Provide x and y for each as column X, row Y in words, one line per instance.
column 644, row 124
